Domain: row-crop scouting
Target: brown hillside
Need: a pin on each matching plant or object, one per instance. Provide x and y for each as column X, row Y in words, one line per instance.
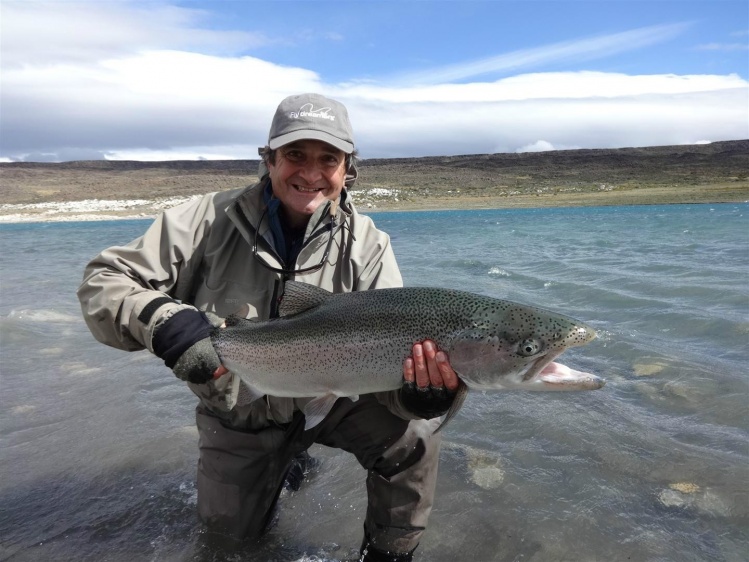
column 666, row 174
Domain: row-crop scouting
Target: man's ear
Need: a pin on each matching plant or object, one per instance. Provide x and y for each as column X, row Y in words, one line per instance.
column 351, row 174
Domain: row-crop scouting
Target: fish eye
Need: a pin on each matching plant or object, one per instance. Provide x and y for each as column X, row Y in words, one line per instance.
column 528, row 347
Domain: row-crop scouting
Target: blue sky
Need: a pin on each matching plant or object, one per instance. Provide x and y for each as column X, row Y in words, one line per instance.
column 124, row 79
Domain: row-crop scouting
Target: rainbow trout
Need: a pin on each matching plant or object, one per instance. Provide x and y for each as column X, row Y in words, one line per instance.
column 325, row 346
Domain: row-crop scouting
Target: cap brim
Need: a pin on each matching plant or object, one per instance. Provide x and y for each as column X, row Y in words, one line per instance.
column 304, row 134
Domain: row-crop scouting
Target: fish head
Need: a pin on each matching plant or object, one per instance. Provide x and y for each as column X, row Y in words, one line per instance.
column 515, row 348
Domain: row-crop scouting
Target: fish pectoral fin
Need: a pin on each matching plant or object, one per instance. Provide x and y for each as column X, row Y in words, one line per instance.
column 457, row 404
column 316, row 409
column 249, row 393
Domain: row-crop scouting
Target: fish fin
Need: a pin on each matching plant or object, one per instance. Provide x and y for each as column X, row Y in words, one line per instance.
column 298, row 297
column 316, row 409
column 233, row 392
column 243, row 311
column 231, row 320
column 249, row 393
column 457, row 404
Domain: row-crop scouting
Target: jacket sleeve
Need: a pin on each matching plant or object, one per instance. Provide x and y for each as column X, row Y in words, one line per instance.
column 127, row 290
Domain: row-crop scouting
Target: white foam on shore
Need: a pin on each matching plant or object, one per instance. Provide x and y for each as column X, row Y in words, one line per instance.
column 109, row 209
column 79, row 206
column 371, row 196
column 88, row 209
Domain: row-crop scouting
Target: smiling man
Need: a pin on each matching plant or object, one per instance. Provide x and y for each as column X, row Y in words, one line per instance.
column 239, row 248
column 305, row 174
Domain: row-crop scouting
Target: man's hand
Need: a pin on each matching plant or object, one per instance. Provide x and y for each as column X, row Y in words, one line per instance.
column 429, row 382
column 184, row 343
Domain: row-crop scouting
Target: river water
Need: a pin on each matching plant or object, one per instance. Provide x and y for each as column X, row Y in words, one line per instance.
column 98, row 446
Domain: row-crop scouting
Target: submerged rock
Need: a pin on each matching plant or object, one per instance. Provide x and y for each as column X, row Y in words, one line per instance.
column 685, row 487
column 687, row 495
column 484, row 467
column 648, row 369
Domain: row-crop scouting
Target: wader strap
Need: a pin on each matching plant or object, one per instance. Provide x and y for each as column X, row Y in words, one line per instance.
column 148, row 311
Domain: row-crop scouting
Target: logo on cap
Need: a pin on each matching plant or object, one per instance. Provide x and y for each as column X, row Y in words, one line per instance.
column 308, row 110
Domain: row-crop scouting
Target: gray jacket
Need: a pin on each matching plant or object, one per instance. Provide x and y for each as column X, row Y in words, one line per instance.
column 200, row 254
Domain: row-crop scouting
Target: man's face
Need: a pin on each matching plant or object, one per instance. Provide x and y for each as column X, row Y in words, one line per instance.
column 305, row 175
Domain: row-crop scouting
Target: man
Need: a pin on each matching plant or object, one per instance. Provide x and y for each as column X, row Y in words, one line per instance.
column 239, row 248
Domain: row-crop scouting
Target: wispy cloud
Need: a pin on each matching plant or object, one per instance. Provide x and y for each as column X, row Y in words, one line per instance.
column 46, row 33
column 727, row 46
column 577, row 50
column 545, row 85
column 723, row 47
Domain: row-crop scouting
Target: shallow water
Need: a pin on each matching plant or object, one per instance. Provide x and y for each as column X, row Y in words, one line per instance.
column 98, row 446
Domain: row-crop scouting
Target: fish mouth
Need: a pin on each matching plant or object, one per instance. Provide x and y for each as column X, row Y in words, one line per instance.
column 545, row 374
column 555, row 376
column 549, row 375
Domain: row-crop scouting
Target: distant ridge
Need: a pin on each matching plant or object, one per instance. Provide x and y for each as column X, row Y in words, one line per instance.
column 721, row 166
column 602, row 156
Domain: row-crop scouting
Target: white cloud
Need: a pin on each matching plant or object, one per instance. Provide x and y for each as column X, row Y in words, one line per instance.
column 538, row 146
column 79, row 93
column 233, row 152
column 44, row 33
column 550, row 85
column 481, row 127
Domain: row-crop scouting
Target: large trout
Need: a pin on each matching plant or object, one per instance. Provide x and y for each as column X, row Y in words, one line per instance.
column 325, row 346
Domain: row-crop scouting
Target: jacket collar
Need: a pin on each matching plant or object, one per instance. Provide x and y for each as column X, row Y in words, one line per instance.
column 246, row 211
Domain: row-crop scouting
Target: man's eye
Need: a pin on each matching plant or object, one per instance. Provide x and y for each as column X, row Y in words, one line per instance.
column 331, row 161
column 294, row 155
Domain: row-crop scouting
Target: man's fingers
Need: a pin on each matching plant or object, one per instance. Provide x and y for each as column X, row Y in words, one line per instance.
column 220, row 371
column 430, row 352
column 429, row 367
column 449, row 377
column 420, row 366
column 408, row 370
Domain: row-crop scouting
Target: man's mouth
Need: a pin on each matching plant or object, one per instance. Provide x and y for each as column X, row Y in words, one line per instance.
column 307, row 189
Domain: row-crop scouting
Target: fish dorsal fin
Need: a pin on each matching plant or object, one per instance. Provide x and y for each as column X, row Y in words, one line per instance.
column 230, row 321
column 298, row 297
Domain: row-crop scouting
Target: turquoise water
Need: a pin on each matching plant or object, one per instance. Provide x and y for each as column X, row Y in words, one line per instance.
column 98, row 448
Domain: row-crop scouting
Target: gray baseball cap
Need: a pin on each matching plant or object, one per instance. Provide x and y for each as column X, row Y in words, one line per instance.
column 311, row 116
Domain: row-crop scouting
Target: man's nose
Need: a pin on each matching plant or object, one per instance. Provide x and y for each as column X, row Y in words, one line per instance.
column 310, row 172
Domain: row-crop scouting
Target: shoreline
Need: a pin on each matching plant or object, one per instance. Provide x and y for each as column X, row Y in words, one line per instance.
column 387, row 200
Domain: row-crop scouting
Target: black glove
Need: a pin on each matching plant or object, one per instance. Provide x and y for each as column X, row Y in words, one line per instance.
column 184, row 343
column 428, row 402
